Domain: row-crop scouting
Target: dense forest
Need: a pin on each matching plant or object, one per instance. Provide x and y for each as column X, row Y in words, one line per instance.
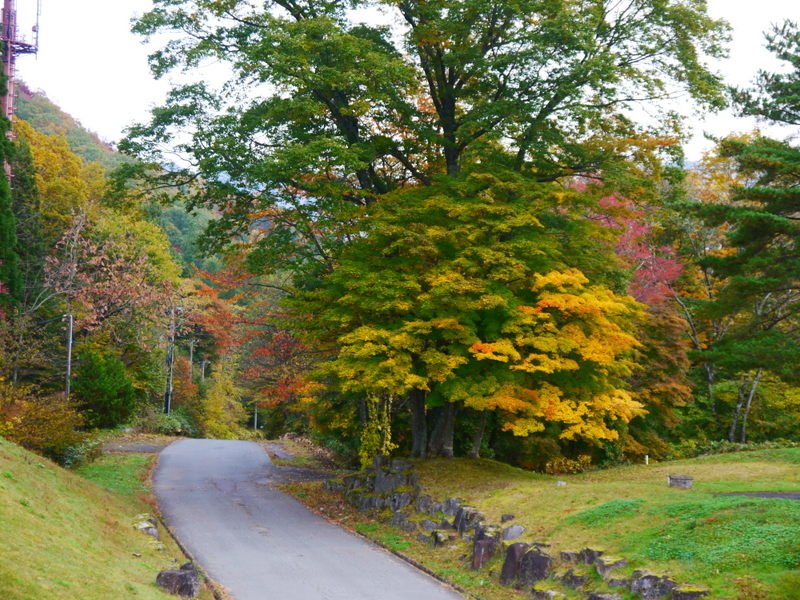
column 449, row 236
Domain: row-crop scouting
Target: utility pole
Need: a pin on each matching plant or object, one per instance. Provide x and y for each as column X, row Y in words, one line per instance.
column 170, row 361
column 70, row 323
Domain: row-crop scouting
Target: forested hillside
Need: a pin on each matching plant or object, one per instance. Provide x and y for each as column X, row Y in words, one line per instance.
column 450, row 237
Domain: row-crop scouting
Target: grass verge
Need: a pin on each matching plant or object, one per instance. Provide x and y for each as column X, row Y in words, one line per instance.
column 65, row 537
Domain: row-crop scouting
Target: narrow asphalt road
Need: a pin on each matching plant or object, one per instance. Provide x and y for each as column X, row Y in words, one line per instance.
column 261, row 544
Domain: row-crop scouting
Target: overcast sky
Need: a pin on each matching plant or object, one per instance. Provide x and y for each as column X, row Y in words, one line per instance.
column 95, row 69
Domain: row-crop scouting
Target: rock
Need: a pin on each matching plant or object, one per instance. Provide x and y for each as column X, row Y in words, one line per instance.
column 570, row 556
column 428, row 525
column 450, row 506
column 606, row 564
column 680, row 481
column 603, row 596
column 445, row 524
column 485, row 532
column 399, row 500
column 334, row 485
column 534, row 566
column 506, row 518
column 148, row 525
column 183, row 582
column 686, row 592
column 482, row 551
column 546, row 594
column 439, row 537
column 423, row 503
column 560, row 483
column 466, row 518
column 387, row 482
column 588, row 556
column 513, row 532
column 514, row 555
column 424, row 538
column 573, row 580
column 620, row 582
column 402, row 521
column 650, row 586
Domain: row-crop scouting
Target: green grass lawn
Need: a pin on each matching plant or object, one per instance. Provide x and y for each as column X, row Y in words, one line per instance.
column 694, row 535
column 65, row 537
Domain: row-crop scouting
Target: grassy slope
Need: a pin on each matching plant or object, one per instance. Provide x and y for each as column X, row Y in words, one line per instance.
column 692, row 534
column 62, row 536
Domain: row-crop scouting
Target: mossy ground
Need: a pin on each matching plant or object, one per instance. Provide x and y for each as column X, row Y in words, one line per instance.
column 65, row 537
column 739, row 547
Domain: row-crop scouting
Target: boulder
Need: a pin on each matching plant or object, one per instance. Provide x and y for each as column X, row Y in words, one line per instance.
column 588, row 556
column 513, row 532
column 450, row 506
column 428, row 525
column 534, row 566
column 466, row 518
column 603, row 596
column 606, row 564
column 650, row 586
column 514, row 555
column 183, row 582
column 423, row 503
column 482, row 551
column 399, row 500
column 148, row 525
column 439, row 538
column 573, row 580
column 402, row 521
column 506, row 518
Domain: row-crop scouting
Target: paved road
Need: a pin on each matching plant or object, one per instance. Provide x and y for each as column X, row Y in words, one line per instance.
column 261, row 544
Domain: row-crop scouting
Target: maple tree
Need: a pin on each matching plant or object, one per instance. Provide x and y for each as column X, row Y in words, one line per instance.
column 470, row 293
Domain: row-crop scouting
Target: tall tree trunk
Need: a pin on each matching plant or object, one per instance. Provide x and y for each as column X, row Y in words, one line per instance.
column 712, row 399
column 436, row 435
column 477, row 436
column 737, row 411
column 750, row 396
column 419, row 425
column 70, row 323
column 449, row 430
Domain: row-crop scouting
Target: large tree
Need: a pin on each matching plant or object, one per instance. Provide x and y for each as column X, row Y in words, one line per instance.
column 322, row 110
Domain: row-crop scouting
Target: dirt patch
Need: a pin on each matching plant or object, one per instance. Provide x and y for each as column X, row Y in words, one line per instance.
column 784, row 495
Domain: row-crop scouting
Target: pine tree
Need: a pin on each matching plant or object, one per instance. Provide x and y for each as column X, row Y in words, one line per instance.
column 10, row 275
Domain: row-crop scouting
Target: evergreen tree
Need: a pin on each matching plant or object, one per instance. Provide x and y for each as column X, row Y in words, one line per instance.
column 10, row 276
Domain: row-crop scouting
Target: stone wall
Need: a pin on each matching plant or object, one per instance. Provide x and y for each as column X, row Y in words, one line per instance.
column 391, row 489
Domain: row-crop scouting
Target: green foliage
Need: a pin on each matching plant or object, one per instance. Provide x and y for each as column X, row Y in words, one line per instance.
column 10, row 275
column 152, row 419
column 49, row 119
column 106, row 393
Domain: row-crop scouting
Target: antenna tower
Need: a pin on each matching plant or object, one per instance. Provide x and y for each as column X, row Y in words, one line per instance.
column 14, row 46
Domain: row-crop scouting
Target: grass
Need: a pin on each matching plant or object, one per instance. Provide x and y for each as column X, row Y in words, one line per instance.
column 65, row 537
column 694, row 535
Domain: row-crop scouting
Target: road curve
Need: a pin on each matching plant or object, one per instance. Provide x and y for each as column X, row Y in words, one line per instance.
column 261, row 544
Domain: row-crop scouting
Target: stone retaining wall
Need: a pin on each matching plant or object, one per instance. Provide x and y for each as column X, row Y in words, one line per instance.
column 391, row 487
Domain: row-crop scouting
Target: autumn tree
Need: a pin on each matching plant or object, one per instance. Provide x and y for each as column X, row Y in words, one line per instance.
column 474, row 294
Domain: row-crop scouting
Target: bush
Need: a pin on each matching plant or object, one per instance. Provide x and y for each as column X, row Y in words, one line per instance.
column 153, row 420
column 46, row 425
column 85, row 451
column 106, row 393
column 566, row 466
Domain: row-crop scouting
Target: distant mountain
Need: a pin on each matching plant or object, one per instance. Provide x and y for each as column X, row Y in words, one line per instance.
column 46, row 117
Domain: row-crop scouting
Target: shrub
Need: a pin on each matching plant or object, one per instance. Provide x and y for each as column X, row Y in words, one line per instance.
column 153, row 420
column 564, row 466
column 47, row 425
column 104, row 388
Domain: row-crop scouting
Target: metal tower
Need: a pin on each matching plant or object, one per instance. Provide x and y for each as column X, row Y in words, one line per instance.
column 14, row 46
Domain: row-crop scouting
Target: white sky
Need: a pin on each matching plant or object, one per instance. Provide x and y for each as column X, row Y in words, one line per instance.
column 95, row 69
